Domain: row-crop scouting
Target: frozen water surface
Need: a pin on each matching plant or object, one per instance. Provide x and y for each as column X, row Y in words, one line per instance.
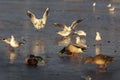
column 14, row 21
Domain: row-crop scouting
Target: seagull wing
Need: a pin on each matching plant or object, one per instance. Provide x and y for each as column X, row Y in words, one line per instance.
column 75, row 23
column 30, row 14
column 60, row 25
column 46, row 13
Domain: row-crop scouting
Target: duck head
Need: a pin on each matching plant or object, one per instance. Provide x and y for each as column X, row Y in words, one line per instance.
column 110, row 59
column 39, row 58
column 88, row 59
column 84, row 49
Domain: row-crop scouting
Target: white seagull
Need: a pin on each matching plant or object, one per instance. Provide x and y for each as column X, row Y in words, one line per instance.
column 94, row 4
column 81, row 41
column 67, row 30
column 111, row 8
column 109, row 5
column 98, row 37
column 80, row 32
column 38, row 23
column 12, row 42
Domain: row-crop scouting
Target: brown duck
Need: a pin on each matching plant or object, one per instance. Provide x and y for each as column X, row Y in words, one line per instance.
column 101, row 60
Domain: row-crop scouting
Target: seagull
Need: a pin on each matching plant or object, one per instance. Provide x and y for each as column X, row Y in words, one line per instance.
column 81, row 41
column 6, row 40
column 64, row 41
column 112, row 9
column 94, row 4
column 67, row 29
column 38, row 23
column 80, row 33
column 109, row 5
column 98, row 37
column 12, row 42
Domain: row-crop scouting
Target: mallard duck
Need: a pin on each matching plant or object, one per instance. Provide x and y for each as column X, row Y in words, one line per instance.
column 33, row 60
column 67, row 30
column 101, row 60
column 38, row 23
column 72, row 49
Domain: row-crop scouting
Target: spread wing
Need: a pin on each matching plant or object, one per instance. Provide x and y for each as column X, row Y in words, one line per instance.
column 60, row 25
column 30, row 14
column 46, row 13
column 75, row 23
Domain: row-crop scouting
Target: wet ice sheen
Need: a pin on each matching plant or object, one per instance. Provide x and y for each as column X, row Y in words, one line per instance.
column 13, row 20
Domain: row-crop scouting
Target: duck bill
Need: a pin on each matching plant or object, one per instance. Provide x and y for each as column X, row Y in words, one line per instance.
column 43, row 61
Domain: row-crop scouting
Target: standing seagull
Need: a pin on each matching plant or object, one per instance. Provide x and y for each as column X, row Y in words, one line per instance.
column 12, row 42
column 98, row 37
column 67, row 30
column 94, row 4
column 15, row 43
column 109, row 5
column 38, row 23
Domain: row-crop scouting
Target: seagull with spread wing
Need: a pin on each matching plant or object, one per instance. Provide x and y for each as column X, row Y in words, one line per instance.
column 67, row 29
column 38, row 23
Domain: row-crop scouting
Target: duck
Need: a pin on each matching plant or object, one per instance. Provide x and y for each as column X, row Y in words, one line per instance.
column 100, row 59
column 12, row 42
column 67, row 29
column 73, row 49
column 38, row 23
column 33, row 60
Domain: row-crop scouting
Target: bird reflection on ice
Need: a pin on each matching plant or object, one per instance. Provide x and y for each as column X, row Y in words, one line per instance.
column 97, row 49
column 38, row 47
column 13, row 55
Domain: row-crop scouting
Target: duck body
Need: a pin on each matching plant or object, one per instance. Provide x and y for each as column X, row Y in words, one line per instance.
column 101, row 60
column 72, row 49
column 30, row 60
column 33, row 60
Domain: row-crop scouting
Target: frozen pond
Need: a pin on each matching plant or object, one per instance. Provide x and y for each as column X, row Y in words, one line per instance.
column 46, row 43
